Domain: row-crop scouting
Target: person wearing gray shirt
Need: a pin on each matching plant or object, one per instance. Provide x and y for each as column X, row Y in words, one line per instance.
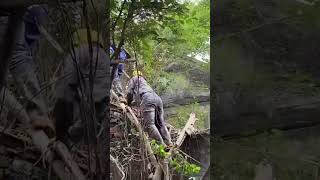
column 152, row 107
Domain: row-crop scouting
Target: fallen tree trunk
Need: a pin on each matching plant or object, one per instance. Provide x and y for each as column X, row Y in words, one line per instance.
column 185, row 100
column 188, row 129
column 298, row 114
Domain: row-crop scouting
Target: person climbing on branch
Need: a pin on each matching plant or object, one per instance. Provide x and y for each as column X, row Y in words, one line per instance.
column 152, row 107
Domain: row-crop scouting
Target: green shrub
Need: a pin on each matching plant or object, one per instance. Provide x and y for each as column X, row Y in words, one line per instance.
column 177, row 162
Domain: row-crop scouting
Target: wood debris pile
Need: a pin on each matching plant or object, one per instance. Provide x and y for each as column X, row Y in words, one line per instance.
column 131, row 151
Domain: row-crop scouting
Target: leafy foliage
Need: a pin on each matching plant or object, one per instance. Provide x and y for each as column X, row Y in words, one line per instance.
column 161, row 32
column 178, row 161
column 159, row 149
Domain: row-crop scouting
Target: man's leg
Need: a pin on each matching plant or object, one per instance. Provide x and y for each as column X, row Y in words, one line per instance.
column 161, row 123
column 149, row 124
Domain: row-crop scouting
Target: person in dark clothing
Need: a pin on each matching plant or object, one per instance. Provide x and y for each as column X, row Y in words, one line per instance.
column 119, row 71
column 152, row 107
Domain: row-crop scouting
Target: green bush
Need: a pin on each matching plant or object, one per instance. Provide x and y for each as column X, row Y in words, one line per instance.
column 177, row 162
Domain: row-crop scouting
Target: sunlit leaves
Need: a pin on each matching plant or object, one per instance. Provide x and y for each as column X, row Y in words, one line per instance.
column 177, row 162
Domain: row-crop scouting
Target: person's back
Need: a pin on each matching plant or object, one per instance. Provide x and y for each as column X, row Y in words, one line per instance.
column 138, row 86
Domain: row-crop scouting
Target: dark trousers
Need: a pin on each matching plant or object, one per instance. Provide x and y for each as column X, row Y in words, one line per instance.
column 153, row 118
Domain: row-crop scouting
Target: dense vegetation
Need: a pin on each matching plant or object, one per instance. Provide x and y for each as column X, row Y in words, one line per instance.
column 160, row 34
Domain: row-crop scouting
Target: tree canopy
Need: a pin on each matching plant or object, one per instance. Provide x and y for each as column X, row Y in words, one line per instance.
column 162, row 32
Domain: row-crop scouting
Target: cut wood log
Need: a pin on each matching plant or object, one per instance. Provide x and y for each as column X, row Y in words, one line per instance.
column 188, row 129
column 185, row 100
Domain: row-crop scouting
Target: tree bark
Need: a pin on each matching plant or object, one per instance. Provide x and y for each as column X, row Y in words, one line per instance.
column 185, row 100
